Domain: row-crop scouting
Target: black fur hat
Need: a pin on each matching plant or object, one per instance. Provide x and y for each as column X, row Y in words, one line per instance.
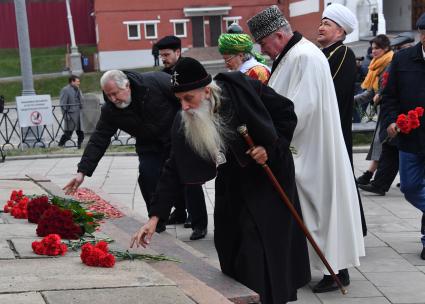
column 169, row 42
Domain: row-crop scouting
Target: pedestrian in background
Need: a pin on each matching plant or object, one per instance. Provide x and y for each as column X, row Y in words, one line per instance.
column 155, row 54
column 374, row 21
column 70, row 101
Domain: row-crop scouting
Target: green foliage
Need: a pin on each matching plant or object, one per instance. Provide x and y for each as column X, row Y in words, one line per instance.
column 361, row 139
column 44, row 60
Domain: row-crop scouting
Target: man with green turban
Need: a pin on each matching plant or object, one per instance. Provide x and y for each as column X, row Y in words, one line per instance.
column 238, row 55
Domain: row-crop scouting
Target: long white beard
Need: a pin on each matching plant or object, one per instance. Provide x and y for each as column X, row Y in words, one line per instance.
column 204, row 131
column 123, row 105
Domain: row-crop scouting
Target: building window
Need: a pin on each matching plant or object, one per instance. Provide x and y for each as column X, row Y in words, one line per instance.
column 133, row 31
column 180, row 29
column 230, row 20
column 151, row 31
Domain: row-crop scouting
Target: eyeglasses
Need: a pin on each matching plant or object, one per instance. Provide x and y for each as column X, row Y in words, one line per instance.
column 228, row 59
column 422, row 32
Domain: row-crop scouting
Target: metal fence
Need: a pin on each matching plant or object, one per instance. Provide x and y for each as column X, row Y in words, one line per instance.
column 12, row 136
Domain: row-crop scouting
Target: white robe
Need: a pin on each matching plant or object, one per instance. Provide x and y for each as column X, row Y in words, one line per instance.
column 323, row 173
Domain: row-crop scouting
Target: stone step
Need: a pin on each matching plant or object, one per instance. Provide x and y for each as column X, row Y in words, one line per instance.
column 195, row 276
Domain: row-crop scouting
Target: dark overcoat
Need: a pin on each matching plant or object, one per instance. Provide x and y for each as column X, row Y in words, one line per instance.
column 257, row 240
column 148, row 118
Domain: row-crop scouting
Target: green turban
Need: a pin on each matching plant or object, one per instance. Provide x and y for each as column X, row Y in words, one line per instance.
column 237, row 43
column 234, row 43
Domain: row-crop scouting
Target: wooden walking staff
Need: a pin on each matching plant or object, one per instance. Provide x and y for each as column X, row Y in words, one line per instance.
column 244, row 132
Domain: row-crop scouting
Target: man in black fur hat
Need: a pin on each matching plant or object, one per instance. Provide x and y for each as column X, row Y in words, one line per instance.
column 258, row 242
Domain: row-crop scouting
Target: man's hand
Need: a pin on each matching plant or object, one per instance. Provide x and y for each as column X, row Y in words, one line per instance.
column 391, row 130
column 74, row 183
column 259, row 154
column 144, row 235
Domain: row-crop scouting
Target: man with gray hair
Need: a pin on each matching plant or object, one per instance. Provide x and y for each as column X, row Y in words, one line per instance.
column 144, row 106
column 323, row 173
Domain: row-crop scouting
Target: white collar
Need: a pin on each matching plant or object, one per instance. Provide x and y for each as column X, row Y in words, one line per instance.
column 249, row 64
column 423, row 51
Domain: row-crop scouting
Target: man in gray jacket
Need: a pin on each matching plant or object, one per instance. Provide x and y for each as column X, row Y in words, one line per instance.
column 70, row 102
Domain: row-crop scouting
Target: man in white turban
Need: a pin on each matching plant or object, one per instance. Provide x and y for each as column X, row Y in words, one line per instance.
column 338, row 21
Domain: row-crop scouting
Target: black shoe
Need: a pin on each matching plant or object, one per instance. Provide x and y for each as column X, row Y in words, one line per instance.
column 160, row 227
column 176, row 218
column 372, row 188
column 365, row 178
column 398, row 185
column 328, row 284
column 423, row 254
column 198, row 233
column 188, row 223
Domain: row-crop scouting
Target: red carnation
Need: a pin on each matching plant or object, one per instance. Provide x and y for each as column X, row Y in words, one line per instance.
column 102, row 245
column 403, row 124
column 420, row 111
column 384, row 81
column 50, row 245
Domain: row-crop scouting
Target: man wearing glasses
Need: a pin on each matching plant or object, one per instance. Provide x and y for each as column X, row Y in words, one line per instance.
column 404, row 92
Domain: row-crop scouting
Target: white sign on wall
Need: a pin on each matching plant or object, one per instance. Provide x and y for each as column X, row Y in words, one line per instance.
column 304, row 7
column 34, row 110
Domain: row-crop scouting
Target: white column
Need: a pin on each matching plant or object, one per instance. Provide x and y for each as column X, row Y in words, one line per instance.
column 382, row 29
column 75, row 57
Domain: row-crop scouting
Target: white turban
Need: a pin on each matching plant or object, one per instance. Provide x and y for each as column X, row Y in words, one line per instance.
column 342, row 16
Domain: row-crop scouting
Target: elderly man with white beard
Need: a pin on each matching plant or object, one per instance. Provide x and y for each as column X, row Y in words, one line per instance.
column 258, row 242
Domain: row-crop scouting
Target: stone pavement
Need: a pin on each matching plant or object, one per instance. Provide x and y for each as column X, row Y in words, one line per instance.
column 391, row 272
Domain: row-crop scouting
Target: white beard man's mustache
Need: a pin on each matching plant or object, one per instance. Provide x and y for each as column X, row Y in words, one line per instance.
column 204, row 131
column 123, row 105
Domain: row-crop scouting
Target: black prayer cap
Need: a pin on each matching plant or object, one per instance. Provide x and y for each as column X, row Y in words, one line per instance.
column 169, row 42
column 420, row 24
column 189, row 74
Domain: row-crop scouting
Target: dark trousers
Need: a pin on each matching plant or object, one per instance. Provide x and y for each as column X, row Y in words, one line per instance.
column 195, row 203
column 387, row 167
column 68, row 134
column 150, row 166
column 156, row 60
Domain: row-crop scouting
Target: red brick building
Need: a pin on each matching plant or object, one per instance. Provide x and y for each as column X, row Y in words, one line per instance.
column 126, row 29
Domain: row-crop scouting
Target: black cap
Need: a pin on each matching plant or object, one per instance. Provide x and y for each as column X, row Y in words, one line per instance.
column 235, row 28
column 402, row 38
column 420, row 24
column 189, row 74
column 169, row 42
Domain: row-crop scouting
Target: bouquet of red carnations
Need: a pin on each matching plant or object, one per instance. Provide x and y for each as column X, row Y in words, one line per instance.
column 97, row 255
column 36, row 208
column 50, row 245
column 15, row 198
column 406, row 123
column 58, row 221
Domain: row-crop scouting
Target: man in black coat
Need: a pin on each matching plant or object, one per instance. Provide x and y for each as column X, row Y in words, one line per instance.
column 144, row 106
column 257, row 240
column 170, row 51
column 404, row 92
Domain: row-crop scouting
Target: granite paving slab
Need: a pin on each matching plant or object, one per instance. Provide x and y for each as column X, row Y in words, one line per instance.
column 364, row 289
column 133, row 295
column 5, row 252
column 18, row 230
column 69, row 273
column 22, row 298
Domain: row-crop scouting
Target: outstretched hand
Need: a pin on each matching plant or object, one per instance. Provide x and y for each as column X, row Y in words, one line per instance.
column 74, row 183
column 144, row 235
column 259, row 154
